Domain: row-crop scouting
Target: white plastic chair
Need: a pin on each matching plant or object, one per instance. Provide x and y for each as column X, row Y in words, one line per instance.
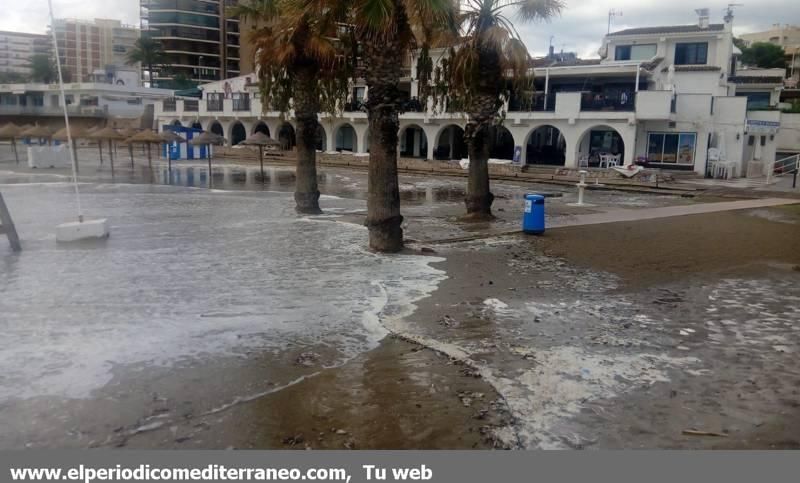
column 583, row 161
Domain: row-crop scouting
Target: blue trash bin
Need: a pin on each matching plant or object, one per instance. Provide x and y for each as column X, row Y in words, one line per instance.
column 533, row 217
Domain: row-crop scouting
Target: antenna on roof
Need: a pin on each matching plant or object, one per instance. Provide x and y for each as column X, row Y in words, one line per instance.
column 611, row 14
column 729, row 11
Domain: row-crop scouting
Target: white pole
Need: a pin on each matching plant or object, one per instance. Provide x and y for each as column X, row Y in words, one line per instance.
column 546, row 86
column 66, row 115
column 638, row 70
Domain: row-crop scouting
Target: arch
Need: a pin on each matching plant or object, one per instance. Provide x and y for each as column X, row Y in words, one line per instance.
column 450, row 143
column 598, row 139
column 286, row 136
column 261, row 127
column 176, row 122
column 413, row 142
column 502, row 143
column 345, row 138
column 197, row 125
column 216, row 128
column 547, row 145
column 238, row 133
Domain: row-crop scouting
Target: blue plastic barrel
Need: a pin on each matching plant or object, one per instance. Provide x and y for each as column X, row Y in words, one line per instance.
column 533, row 217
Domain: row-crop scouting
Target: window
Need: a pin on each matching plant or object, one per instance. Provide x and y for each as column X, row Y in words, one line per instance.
column 635, row 52
column 671, row 148
column 756, row 100
column 691, row 54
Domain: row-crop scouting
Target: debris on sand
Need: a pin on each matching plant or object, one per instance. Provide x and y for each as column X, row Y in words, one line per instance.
column 307, row 359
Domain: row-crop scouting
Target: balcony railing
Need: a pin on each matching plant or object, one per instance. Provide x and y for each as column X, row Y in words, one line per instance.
column 537, row 103
column 214, row 102
column 191, row 105
column 355, row 106
column 616, row 101
column 72, row 110
column 241, row 101
column 169, row 105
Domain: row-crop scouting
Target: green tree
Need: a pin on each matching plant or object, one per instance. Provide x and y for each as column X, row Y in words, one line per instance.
column 148, row 52
column 12, row 78
column 387, row 30
column 43, row 69
column 490, row 49
column 764, row 55
column 302, row 65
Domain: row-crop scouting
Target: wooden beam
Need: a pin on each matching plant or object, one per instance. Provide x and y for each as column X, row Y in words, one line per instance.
column 7, row 226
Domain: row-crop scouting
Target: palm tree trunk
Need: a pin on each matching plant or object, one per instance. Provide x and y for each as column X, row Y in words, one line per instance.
column 306, row 193
column 382, row 71
column 478, row 198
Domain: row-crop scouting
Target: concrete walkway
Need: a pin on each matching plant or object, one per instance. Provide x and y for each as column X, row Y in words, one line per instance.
column 623, row 215
column 620, row 215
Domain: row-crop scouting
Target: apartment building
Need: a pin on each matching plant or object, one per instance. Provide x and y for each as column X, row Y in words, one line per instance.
column 200, row 42
column 660, row 97
column 17, row 48
column 88, row 46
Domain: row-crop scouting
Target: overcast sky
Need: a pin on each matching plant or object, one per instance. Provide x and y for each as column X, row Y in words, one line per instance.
column 580, row 28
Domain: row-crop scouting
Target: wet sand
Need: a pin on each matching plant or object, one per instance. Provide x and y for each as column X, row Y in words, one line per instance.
column 739, row 384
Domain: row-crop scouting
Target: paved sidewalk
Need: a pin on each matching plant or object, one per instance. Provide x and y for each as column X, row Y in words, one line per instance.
column 619, row 215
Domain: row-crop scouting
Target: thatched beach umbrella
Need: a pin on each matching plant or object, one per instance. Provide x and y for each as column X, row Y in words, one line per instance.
column 110, row 135
column 170, row 137
column 148, row 138
column 38, row 132
column 207, row 138
column 260, row 139
column 76, row 132
column 11, row 131
column 128, row 133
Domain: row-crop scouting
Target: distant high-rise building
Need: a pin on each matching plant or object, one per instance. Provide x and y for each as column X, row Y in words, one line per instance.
column 200, row 42
column 17, row 48
column 88, row 46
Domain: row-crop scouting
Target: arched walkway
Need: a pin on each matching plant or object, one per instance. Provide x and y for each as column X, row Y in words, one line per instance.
column 599, row 140
column 176, row 123
column 286, row 136
column 238, row 133
column 216, row 128
column 450, row 143
column 413, row 142
column 546, row 145
column 502, row 146
column 261, row 127
column 197, row 125
column 346, row 139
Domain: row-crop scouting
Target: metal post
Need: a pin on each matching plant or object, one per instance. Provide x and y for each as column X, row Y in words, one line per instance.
column 7, row 226
column 546, row 86
column 261, row 160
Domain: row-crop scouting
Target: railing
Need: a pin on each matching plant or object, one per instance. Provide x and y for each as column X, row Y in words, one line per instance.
column 191, row 105
column 169, row 105
column 241, row 101
column 355, row 106
column 412, row 105
column 537, row 103
column 618, row 101
column 76, row 111
column 781, row 167
column 214, row 102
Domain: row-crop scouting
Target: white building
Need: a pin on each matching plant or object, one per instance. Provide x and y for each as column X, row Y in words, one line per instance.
column 84, row 99
column 660, row 96
column 17, row 48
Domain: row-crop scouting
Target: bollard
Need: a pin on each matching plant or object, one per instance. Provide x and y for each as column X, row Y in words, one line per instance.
column 581, row 187
column 533, row 217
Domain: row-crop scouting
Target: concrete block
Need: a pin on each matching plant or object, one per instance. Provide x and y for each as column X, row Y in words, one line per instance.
column 74, row 231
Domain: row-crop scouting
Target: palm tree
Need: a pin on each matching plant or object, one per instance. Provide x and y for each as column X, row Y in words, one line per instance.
column 301, row 65
column 490, row 49
column 387, row 31
column 43, row 69
column 148, row 52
